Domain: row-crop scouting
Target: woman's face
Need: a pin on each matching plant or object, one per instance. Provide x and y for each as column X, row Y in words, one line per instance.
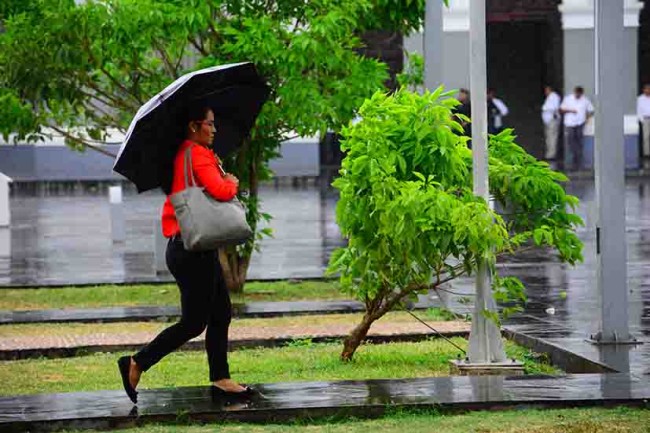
column 202, row 132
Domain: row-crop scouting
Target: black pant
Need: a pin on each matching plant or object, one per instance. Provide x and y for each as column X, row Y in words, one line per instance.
column 205, row 302
column 574, row 138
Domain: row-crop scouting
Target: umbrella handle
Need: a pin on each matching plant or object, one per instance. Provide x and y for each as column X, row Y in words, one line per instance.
column 223, row 172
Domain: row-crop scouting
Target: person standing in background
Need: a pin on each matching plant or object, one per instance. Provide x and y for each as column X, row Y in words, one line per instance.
column 577, row 109
column 551, row 119
column 497, row 110
column 643, row 113
column 465, row 109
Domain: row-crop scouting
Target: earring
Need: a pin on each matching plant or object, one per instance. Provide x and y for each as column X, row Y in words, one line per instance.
column 193, row 130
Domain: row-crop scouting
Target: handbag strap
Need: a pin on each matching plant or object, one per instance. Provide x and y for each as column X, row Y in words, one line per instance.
column 187, row 166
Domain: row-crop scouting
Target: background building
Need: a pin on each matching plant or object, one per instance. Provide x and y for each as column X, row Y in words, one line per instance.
column 531, row 43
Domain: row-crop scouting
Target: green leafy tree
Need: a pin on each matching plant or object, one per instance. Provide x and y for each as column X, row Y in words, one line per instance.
column 407, row 208
column 403, row 16
column 83, row 71
column 12, row 7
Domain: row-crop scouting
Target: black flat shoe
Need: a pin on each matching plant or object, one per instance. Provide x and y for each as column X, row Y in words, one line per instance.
column 248, row 392
column 124, row 363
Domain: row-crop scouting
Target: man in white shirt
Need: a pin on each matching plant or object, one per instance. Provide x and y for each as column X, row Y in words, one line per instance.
column 497, row 110
column 643, row 113
column 551, row 119
column 576, row 109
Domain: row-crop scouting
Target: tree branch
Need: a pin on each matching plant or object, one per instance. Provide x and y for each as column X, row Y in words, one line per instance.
column 180, row 58
column 198, row 47
column 518, row 251
column 290, row 137
column 95, row 98
column 82, row 142
column 119, row 85
column 166, row 61
column 116, row 102
column 102, row 68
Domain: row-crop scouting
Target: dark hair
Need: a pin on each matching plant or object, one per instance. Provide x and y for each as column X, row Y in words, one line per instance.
column 464, row 90
column 195, row 113
column 579, row 89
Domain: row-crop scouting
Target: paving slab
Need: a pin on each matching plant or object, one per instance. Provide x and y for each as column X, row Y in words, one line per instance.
column 311, row 400
column 65, row 239
column 144, row 313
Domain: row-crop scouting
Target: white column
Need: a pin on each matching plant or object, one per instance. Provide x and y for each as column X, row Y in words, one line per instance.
column 160, row 247
column 485, row 344
column 579, row 60
column 454, row 46
column 5, row 242
column 118, row 231
column 5, row 214
column 610, row 172
column 433, row 44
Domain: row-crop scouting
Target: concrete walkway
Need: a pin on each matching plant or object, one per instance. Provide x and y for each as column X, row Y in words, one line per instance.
column 144, row 313
column 312, row 400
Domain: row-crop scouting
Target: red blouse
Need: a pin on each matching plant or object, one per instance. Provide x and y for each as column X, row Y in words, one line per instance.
column 206, row 174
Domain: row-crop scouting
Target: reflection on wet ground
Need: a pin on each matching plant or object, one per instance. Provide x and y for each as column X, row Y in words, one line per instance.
column 282, row 401
column 60, row 240
column 564, row 303
column 67, row 240
column 247, row 310
column 63, row 240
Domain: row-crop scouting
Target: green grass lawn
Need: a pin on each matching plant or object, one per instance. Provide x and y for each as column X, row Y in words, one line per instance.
column 166, row 294
column 302, row 361
column 62, row 329
column 592, row 420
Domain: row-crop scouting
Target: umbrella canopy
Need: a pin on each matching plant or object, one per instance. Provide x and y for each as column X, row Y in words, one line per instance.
column 234, row 92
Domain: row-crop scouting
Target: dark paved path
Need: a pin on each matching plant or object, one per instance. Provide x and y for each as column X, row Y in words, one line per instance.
column 570, row 292
column 65, row 240
column 143, row 313
column 62, row 240
column 287, row 401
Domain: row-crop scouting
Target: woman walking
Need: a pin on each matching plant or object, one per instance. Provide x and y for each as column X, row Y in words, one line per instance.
column 205, row 302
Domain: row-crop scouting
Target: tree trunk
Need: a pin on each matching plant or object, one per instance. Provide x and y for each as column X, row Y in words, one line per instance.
column 234, row 269
column 375, row 310
column 358, row 334
column 235, row 263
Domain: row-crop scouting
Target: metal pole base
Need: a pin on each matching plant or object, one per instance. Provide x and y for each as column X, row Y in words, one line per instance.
column 599, row 340
column 465, row 368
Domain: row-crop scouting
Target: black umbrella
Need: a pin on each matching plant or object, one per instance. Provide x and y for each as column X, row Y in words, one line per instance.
column 234, row 92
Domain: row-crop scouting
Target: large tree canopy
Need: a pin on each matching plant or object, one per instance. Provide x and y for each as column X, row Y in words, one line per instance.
column 83, row 70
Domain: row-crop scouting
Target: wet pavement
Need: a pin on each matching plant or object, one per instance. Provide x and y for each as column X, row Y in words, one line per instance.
column 563, row 311
column 287, row 401
column 66, row 239
column 142, row 313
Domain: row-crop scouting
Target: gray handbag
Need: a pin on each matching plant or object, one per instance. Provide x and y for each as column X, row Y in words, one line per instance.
column 207, row 223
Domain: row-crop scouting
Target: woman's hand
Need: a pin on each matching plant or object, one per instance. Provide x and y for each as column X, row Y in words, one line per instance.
column 231, row 178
